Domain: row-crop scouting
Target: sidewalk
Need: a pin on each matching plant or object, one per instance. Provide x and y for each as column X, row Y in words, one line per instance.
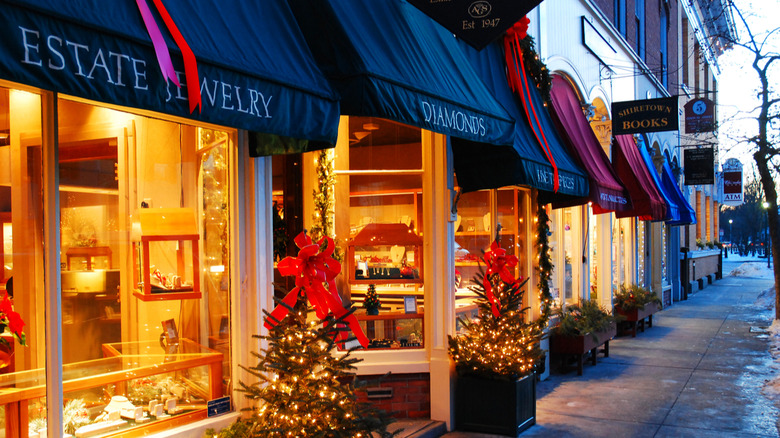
column 698, row 372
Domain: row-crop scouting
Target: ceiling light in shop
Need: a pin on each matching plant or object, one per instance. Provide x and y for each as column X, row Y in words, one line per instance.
column 370, row 126
column 360, row 135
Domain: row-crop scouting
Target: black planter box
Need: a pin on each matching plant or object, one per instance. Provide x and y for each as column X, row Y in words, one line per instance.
column 504, row 407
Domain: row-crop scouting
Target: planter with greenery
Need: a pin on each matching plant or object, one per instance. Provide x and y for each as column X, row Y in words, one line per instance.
column 496, row 354
column 581, row 330
column 633, row 304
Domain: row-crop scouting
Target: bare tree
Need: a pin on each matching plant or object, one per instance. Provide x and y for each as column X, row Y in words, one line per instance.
column 765, row 145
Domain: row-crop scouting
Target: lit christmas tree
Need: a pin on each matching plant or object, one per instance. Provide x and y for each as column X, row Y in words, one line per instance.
column 303, row 388
column 501, row 343
column 371, row 302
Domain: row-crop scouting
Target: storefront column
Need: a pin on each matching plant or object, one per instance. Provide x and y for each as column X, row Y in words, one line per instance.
column 254, row 277
column 604, row 262
column 439, row 255
column 656, row 255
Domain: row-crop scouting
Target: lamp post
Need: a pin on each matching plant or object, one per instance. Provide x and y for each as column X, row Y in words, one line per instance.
column 768, row 249
column 731, row 240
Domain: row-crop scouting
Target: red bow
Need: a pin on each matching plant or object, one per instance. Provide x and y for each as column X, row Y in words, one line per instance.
column 498, row 262
column 520, row 29
column 313, row 269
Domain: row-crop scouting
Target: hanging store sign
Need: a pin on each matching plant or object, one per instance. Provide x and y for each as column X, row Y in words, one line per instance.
column 732, row 187
column 476, row 22
column 699, row 166
column 699, row 116
column 641, row 116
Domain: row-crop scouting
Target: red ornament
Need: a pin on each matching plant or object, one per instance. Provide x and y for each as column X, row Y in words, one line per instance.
column 313, row 270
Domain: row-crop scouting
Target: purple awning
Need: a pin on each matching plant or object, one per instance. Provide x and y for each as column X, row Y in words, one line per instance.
column 606, row 191
column 648, row 203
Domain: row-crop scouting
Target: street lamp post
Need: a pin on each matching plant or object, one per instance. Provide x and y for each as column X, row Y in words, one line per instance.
column 731, row 239
column 768, row 245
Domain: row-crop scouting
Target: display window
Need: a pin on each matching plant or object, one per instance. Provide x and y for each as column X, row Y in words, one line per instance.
column 144, row 208
column 480, row 214
column 567, row 235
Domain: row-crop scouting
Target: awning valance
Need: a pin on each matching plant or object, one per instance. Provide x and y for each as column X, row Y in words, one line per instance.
column 606, row 191
column 687, row 215
column 648, row 204
column 387, row 59
column 254, row 67
column 523, row 163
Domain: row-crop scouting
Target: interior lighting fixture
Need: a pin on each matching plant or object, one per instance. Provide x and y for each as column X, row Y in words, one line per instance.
column 370, row 126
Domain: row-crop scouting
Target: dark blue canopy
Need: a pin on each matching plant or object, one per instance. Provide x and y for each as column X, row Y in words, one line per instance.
column 687, row 215
column 255, row 69
column 523, row 163
column 672, row 209
column 387, row 59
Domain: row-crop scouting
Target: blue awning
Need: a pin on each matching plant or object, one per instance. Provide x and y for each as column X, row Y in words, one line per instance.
column 672, row 209
column 255, row 69
column 687, row 215
column 387, row 59
column 523, row 163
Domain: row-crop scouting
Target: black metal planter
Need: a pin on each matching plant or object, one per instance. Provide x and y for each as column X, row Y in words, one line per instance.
column 504, row 407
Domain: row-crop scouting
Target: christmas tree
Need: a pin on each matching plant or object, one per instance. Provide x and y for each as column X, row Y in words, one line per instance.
column 501, row 342
column 371, row 302
column 302, row 388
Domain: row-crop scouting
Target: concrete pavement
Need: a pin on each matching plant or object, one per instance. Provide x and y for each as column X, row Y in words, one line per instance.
column 698, row 372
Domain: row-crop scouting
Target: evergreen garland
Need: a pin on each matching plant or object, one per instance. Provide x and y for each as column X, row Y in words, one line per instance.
column 535, row 68
column 545, row 266
column 303, row 389
column 324, row 200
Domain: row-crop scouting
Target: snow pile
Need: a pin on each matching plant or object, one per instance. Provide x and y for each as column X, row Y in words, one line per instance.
column 751, row 270
column 772, row 387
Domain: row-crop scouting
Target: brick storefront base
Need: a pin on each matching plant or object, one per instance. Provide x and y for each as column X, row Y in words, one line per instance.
column 411, row 394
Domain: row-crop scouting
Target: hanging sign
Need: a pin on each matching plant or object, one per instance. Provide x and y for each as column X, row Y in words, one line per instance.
column 477, row 22
column 699, row 166
column 699, row 116
column 640, row 116
column 732, row 187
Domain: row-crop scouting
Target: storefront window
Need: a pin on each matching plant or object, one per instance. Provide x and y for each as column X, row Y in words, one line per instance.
column 593, row 258
column 479, row 215
column 145, row 267
column 641, row 251
column 21, row 255
column 568, row 253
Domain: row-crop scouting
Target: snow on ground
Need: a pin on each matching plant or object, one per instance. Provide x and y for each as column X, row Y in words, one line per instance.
column 766, row 300
column 751, row 270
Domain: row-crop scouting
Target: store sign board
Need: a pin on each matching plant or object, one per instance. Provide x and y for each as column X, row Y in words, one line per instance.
column 60, row 55
column 732, row 187
column 477, row 22
column 699, row 166
column 218, row 406
column 699, row 116
column 641, row 116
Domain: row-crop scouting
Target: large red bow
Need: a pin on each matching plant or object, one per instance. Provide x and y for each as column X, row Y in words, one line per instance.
column 313, row 269
column 498, row 262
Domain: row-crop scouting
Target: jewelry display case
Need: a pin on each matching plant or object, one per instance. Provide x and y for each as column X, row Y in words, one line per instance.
column 393, row 330
column 385, row 253
column 136, row 389
column 159, row 232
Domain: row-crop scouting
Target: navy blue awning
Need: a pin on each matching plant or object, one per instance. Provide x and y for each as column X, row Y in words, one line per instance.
column 387, row 59
column 672, row 209
column 687, row 215
column 523, row 163
column 255, row 69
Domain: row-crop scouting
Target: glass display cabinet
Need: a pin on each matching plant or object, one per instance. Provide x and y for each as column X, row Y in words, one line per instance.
column 166, row 255
column 136, row 389
column 393, row 330
column 385, row 253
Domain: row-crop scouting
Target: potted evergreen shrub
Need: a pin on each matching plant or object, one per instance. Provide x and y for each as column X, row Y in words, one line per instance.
column 496, row 354
column 580, row 330
column 634, row 303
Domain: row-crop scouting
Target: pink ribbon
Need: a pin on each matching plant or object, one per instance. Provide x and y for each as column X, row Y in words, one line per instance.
column 313, row 270
column 164, row 57
column 498, row 262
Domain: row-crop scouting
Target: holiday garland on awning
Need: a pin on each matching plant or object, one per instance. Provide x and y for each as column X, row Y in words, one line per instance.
column 522, row 61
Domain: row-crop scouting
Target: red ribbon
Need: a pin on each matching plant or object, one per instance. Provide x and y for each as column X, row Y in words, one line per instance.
column 518, row 82
column 498, row 262
column 190, row 63
column 313, row 270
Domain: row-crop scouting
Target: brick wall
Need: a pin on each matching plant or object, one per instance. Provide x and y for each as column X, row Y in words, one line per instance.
column 411, row 394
